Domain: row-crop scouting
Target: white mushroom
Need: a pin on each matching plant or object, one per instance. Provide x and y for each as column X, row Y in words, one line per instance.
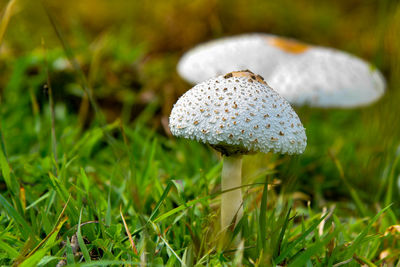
column 303, row 74
column 323, row 77
column 260, row 53
column 237, row 114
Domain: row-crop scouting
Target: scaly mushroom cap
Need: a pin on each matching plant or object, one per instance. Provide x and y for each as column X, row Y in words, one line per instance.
column 260, row 53
column 325, row 77
column 238, row 113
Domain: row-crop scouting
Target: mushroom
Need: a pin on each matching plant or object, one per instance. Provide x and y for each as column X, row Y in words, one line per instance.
column 257, row 52
column 237, row 114
column 323, row 77
column 303, row 74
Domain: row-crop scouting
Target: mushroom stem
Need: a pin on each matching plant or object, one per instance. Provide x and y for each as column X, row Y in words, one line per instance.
column 231, row 202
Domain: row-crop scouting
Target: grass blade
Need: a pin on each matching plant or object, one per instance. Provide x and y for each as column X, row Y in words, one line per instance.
column 69, row 253
column 359, row 239
column 353, row 192
column 195, row 201
column 305, row 256
column 23, row 226
column 298, row 240
column 128, row 233
column 34, row 259
column 6, row 171
column 108, row 263
column 83, row 80
column 12, row 253
column 163, row 196
column 172, row 251
column 391, row 182
column 6, row 19
column 263, row 217
column 282, row 233
column 52, row 111
column 82, row 245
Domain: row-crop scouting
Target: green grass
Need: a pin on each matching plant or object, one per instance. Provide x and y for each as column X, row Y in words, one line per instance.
column 106, row 176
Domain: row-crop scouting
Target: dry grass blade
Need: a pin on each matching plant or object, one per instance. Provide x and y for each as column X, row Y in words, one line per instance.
column 6, row 18
column 74, row 62
column 60, row 221
column 322, row 224
column 128, row 233
column 3, row 26
column 342, row 263
column 81, row 76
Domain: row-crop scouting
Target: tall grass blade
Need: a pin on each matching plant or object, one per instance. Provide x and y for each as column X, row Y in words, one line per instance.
column 391, row 183
column 6, row 171
column 60, row 222
column 52, row 111
column 128, row 233
column 360, row 205
column 172, row 251
column 277, row 251
column 160, row 201
column 69, row 253
column 83, row 81
column 74, row 63
column 81, row 243
column 262, row 220
column 2, row 142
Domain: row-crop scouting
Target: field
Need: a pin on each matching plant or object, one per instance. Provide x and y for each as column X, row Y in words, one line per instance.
column 91, row 175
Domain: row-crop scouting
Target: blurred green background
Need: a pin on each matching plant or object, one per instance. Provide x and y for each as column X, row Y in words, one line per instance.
column 128, row 51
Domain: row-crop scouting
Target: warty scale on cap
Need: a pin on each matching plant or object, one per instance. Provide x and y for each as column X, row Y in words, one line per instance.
column 238, row 113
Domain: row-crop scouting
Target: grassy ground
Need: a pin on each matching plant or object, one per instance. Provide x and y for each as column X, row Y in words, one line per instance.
column 90, row 176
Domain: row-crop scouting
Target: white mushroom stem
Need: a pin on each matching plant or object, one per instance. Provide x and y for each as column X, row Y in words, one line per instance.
column 231, row 202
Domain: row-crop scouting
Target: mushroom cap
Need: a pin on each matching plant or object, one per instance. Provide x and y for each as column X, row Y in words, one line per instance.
column 260, row 53
column 323, row 77
column 303, row 74
column 238, row 113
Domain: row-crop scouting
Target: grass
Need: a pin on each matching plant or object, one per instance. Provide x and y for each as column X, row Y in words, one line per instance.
column 90, row 177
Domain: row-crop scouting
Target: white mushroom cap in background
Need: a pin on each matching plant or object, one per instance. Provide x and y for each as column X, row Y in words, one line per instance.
column 238, row 113
column 303, row 74
column 323, row 77
column 260, row 53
